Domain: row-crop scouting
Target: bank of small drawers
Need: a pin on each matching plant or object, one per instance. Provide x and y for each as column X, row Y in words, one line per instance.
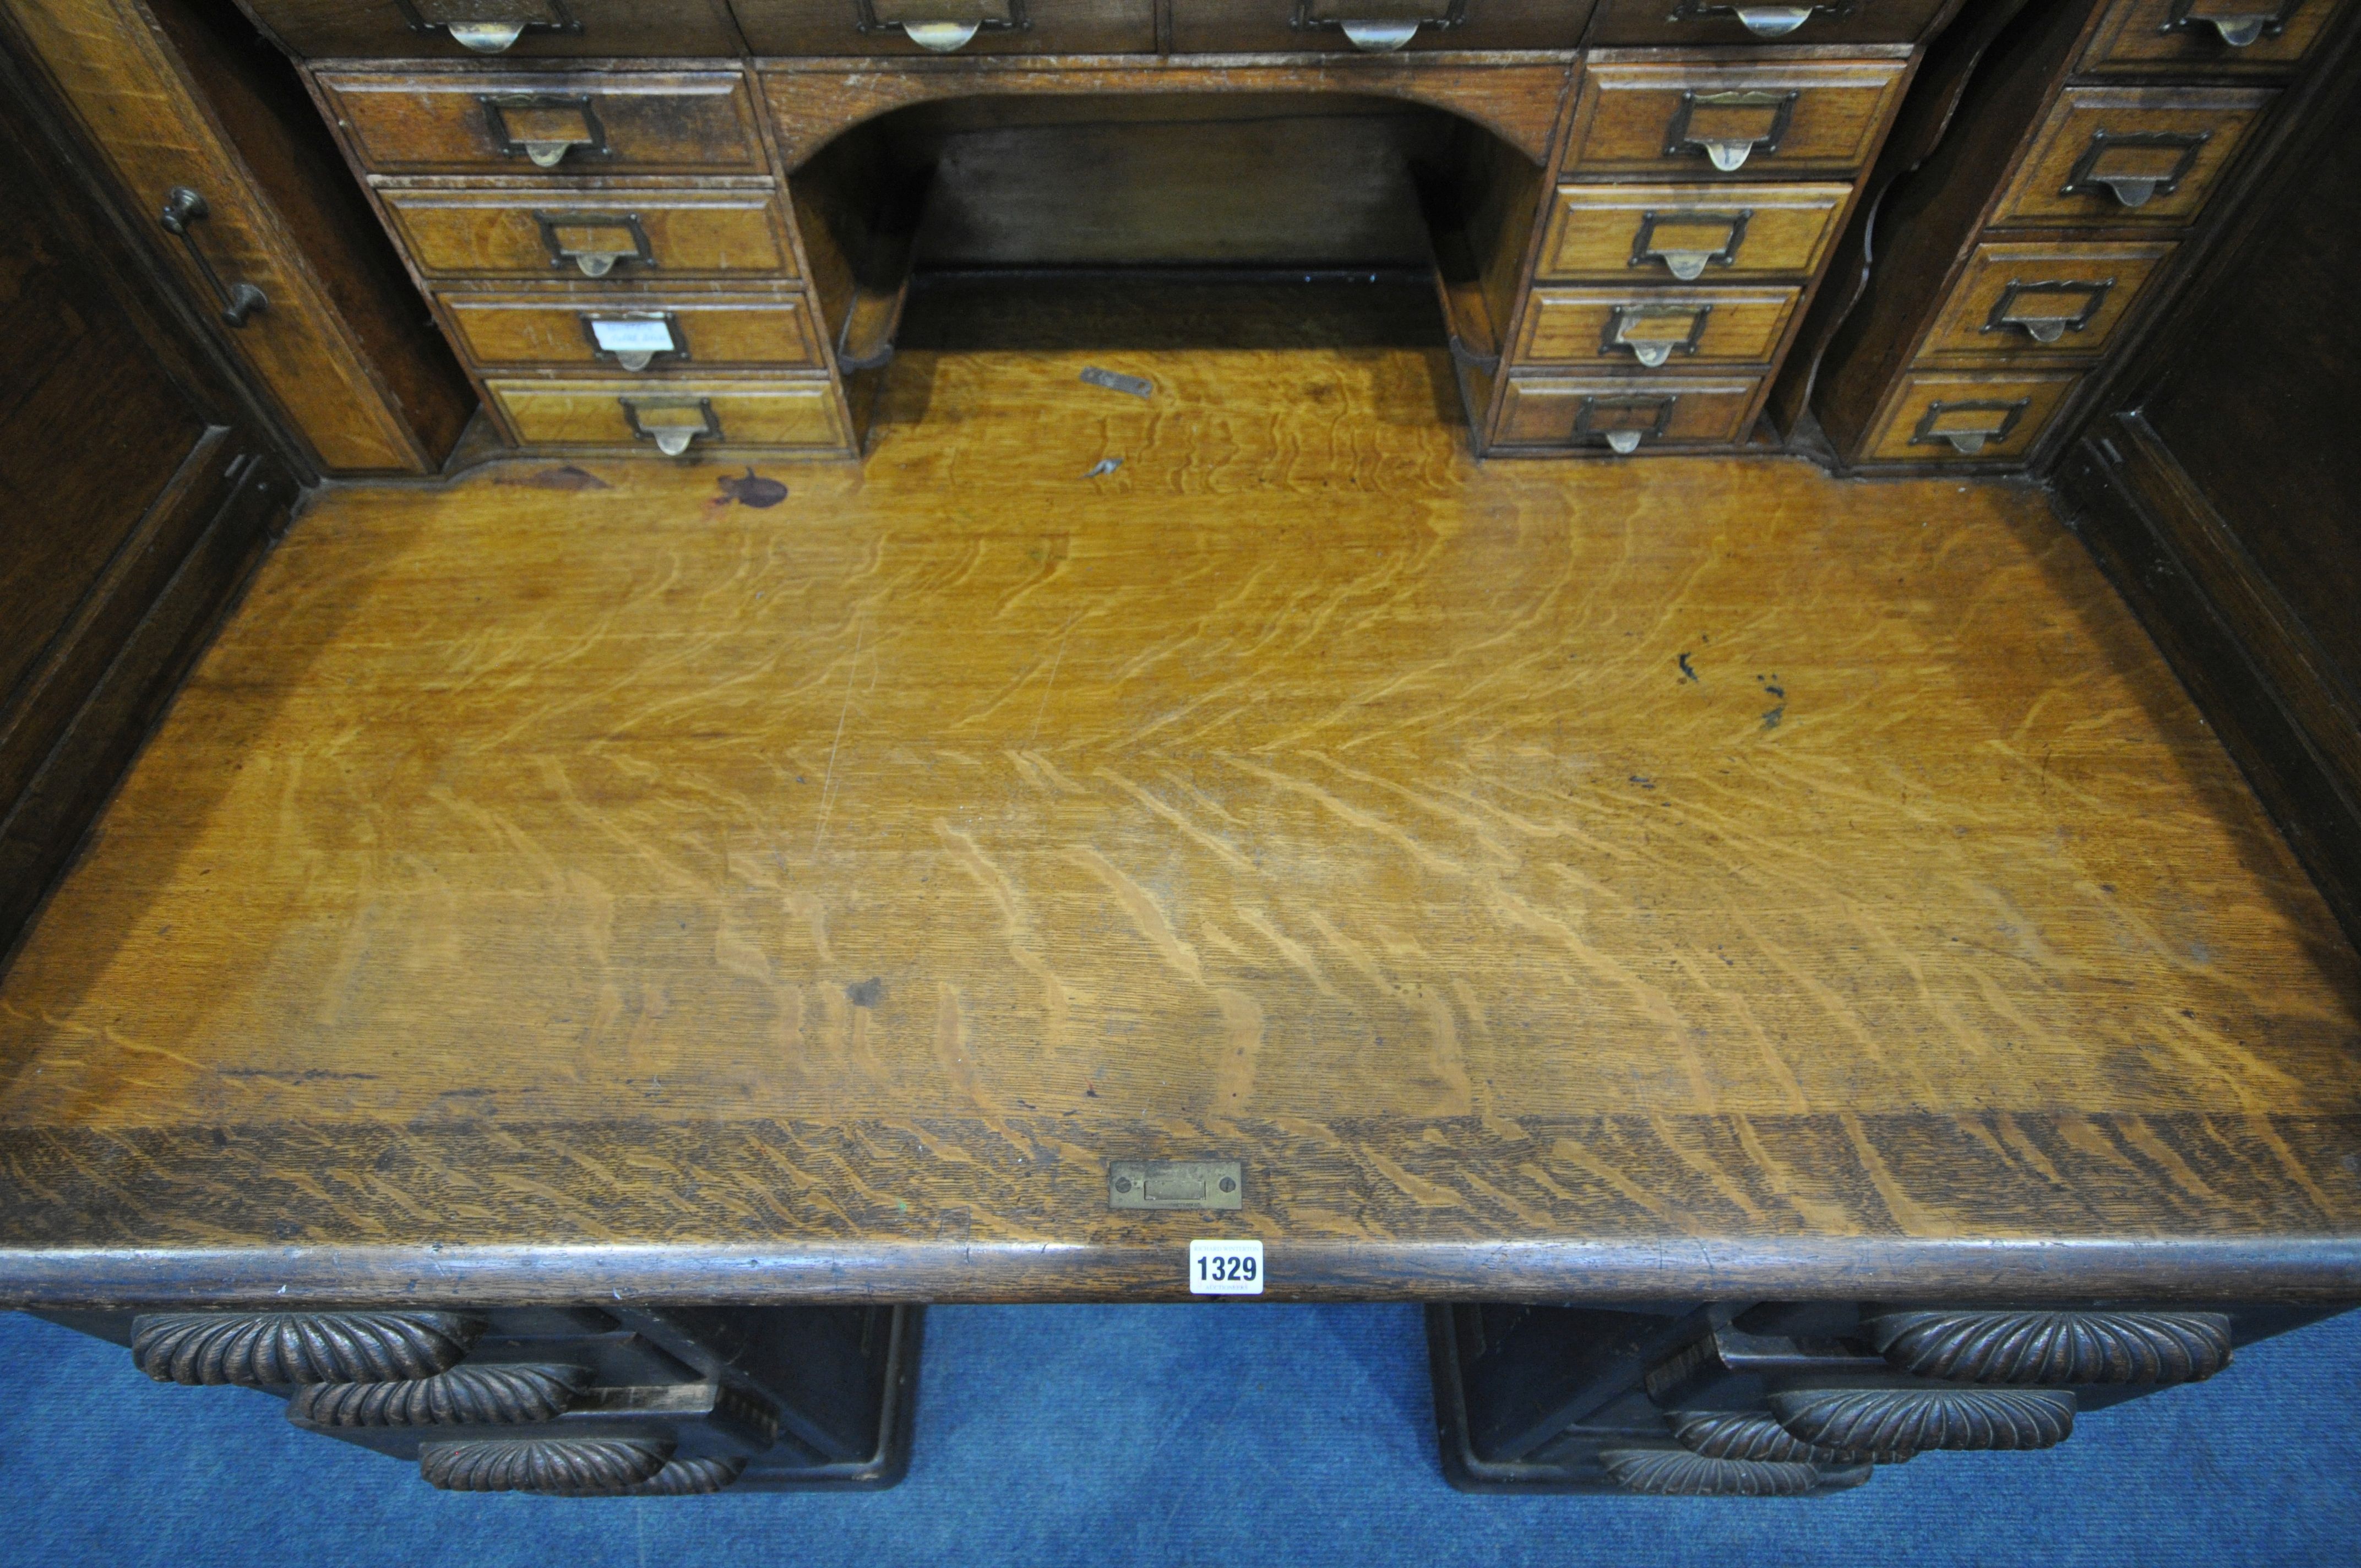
column 2116, row 172
column 1699, row 197
column 608, row 251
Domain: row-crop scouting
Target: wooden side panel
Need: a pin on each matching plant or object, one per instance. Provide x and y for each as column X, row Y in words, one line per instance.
column 128, row 90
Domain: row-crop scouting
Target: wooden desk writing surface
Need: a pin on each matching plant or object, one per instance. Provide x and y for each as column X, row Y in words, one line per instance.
column 1550, row 884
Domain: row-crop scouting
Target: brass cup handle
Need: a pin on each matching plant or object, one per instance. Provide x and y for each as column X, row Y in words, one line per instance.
column 2239, row 29
column 942, row 38
column 486, row 37
column 1378, row 38
column 1774, row 21
column 239, row 302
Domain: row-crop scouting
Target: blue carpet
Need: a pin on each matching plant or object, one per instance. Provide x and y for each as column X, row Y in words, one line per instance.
column 1246, row 1435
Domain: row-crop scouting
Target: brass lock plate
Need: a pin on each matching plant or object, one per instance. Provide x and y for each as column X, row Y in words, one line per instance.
column 1176, row 1184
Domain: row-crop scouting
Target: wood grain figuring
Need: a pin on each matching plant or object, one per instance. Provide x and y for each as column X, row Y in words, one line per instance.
column 1903, row 435
column 1553, row 412
column 1965, row 329
column 1550, row 882
column 801, row 412
column 2044, row 189
column 730, row 331
column 706, row 231
column 1630, row 109
column 2139, row 36
column 478, row 121
column 1595, row 230
column 1573, row 326
column 1514, row 97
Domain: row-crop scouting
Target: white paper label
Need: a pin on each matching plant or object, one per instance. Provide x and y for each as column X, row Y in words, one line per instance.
column 1225, row 1268
column 633, row 337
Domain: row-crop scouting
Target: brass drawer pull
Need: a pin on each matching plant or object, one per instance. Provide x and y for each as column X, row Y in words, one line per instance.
column 1763, row 21
column 2240, row 26
column 672, row 422
column 634, row 342
column 1688, row 243
column 1921, row 1421
column 1622, row 424
column 546, row 127
column 2054, row 1348
column 1968, row 427
column 2047, row 312
column 941, row 27
column 595, row 242
column 1654, row 334
column 488, row 26
column 1378, row 27
column 266, row 1349
column 1729, row 127
column 183, row 208
column 2136, row 166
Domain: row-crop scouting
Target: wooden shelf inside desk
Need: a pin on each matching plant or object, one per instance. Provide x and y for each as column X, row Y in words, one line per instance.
column 1549, row 882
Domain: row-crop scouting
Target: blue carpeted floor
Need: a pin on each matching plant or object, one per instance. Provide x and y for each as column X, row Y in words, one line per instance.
column 1262, row 1435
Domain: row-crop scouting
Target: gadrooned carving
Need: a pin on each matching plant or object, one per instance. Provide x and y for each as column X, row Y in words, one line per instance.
column 261, row 1348
column 1677, row 1473
column 1756, row 1435
column 485, row 1395
column 2054, row 1347
column 1916, row 1420
column 564, row 1467
column 690, row 1477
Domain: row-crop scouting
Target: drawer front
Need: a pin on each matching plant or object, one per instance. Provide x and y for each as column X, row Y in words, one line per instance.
column 1969, row 418
column 2219, row 38
column 1376, row 27
column 2129, row 155
column 573, row 234
column 507, row 122
column 1661, row 234
column 1706, row 22
column 1707, row 120
column 948, row 26
column 474, row 29
column 1623, row 415
column 672, row 417
column 2021, row 299
column 1669, row 329
column 654, row 334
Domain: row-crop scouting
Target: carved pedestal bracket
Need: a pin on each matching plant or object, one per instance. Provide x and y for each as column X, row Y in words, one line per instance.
column 259, row 1349
column 1915, row 1421
column 1677, row 1473
column 1757, row 1436
column 491, row 1395
column 2055, row 1348
column 564, row 1467
column 690, row 1477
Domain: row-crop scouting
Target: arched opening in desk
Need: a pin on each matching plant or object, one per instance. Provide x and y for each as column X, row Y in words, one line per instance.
column 1167, row 218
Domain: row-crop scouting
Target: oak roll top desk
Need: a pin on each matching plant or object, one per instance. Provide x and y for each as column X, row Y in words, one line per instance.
column 1777, row 962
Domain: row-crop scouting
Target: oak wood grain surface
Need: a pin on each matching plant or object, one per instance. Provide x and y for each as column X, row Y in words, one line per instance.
column 1557, row 882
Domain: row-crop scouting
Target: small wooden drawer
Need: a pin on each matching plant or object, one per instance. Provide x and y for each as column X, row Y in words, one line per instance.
column 1656, row 328
column 673, row 417
column 1711, row 22
column 1968, row 419
column 1376, row 27
column 2019, row 300
column 1624, row 414
column 472, row 29
column 606, row 331
column 2218, row 37
column 1663, row 233
column 616, row 121
column 948, row 26
column 626, row 235
column 1738, row 115
column 2130, row 155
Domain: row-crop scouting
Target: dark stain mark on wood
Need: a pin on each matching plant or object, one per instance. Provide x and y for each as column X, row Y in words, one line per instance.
column 1689, row 672
column 565, row 477
column 753, row 490
column 868, row 993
